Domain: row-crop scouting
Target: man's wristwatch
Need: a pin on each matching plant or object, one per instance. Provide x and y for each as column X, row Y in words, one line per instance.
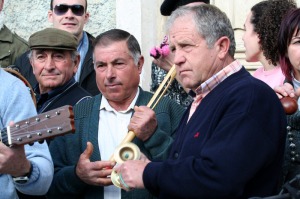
column 23, row 179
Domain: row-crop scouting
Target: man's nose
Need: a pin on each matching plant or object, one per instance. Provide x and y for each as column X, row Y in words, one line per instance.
column 49, row 63
column 110, row 71
column 179, row 58
column 69, row 13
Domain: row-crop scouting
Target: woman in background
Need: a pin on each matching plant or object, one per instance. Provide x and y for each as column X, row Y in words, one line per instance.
column 260, row 38
column 289, row 59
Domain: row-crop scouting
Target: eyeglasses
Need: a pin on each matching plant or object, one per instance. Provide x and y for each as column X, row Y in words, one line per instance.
column 61, row 9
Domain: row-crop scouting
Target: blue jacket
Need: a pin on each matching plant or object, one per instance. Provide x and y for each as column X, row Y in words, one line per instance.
column 16, row 105
column 232, row 147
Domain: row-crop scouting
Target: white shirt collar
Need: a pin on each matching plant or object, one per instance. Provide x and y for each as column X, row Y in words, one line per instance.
column 104, row 105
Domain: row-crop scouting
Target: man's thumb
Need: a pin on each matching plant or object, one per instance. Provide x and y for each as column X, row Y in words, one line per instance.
column 88, row 151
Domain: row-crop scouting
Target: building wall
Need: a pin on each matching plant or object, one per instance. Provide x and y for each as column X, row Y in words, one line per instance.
column 141, row 18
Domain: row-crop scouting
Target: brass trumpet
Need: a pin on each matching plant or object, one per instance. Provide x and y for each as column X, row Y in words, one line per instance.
column 127, row 150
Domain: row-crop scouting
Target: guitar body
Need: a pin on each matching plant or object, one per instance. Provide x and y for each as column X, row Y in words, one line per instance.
column 50, row 124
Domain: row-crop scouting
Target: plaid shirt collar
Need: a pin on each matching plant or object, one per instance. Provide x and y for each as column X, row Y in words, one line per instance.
column 216, row 79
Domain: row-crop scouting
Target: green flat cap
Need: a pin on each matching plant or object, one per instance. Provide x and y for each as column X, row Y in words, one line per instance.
column 53, row 38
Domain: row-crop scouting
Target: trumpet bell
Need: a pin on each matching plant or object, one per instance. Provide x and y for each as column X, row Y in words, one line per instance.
column 127, row 151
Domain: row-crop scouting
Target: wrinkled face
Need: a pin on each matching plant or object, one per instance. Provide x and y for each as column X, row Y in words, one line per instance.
column 117, row 75
column 53, row 68
column 251, row 41
column 68, row 21
column 294, row 54
column 195, row 61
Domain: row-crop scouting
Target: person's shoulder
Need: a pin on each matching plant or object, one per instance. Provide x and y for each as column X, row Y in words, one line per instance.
column 16, row 41
column 84, row 107
column 20, row 41
column 9, row 78
column 243, row 81
column 90, row 36
column 82, row 93
column 78, row 88
column 258, row 70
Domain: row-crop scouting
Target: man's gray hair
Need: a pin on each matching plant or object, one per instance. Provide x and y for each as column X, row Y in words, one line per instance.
column 210, row 21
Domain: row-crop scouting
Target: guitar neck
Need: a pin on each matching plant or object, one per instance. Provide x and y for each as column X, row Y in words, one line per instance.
column 47, row 125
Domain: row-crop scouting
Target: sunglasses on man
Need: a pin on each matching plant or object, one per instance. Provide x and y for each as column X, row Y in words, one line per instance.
column 61, row 9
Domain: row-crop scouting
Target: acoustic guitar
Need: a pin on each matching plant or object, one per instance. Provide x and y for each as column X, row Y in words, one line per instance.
column 43, row 126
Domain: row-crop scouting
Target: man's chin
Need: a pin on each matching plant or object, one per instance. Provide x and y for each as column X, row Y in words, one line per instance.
column 71, row 29
column 186, row 83
column 50, row 83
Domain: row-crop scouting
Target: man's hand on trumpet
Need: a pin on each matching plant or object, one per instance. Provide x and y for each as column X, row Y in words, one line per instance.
column 93, row 173
column 131, row 173
column 143, row 122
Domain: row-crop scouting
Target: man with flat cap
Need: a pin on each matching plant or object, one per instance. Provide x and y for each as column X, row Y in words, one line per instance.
column 54, row 61
column 162, row 65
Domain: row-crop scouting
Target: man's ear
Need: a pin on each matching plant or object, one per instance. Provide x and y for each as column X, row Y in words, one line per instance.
column 140, row 64
column 86, row 17
column 50, row 16
column 32, row 65
column 76, row 63
column 223, row 45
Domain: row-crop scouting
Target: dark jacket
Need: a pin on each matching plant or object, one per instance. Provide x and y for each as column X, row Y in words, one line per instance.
column 291, row 166
column 67, row 149
column 12, row 46
column 69, row 94
column 232, row 146
column 87, row 78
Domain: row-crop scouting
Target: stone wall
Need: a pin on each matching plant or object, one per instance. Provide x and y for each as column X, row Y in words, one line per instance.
column 28, row 16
